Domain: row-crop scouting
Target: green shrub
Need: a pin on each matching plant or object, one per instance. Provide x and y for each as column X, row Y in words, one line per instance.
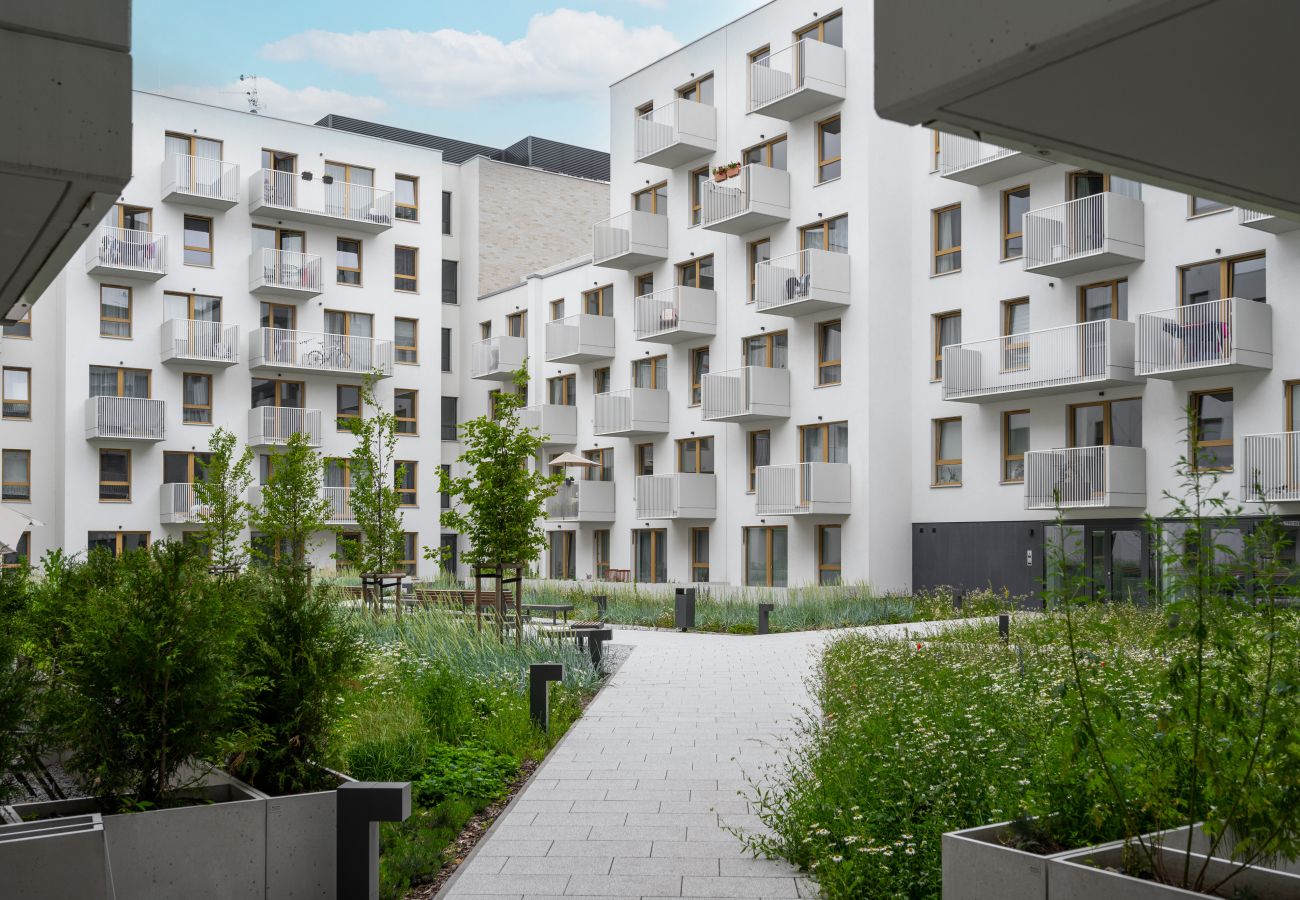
column 17, row 682
column 400, row 757
column 415, row 850
column 449, row 772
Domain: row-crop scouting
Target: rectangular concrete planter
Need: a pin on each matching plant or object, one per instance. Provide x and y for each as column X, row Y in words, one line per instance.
column 977, row 866
column 1093, row 872
column 54, row 859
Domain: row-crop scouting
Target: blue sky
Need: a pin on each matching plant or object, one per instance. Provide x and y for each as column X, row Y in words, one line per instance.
column 489, row 71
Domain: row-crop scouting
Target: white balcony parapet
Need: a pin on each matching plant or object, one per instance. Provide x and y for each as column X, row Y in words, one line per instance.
column 802, row 489
column 198, row 342
column 676, row 133
column 582, row 501
column 1270, row 467
column 679, row 495
column 1049, row 361
column 1229, row 335
column 755, row 197
column 127, row 253
column 200, row 181
column 629, row 240
column 290, row 195
column 747, row 394
column 809, row 281
column 497, row 358
column 1107, row 477
column 976, row 162
column 580, row 338
column 676, row 314
column 284, row 273
column 126, row 419
column 630, row 413
column 286, row 350
column 557, row 424
column 178, row 504
column 272, row 426
column 338, row 498
column 797, row 80
column 1265, row 221
column 1085, row 235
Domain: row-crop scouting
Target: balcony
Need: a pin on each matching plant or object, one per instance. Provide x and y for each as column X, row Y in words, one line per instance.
column 680, row 495
column 339, row 499
column 676, row 134
column 975, row 162
column 1086, row 478
column 634, row 412
column 125, row 419
column 298, row 197
column 756, row 197
column 580, row 338
column 200, row 181
column 803, row 489
column 199, row 343
column 1085, row 235
column 629, row 240
column 315, row 353
column 1087, row 356
column 582, row 501
column 272, row 426
column 497, row 358
column 801, row 79
column 748, row 394
column 178, row 505
column 1231, row 335
column 284, row 273
column 126, row 253
column 1270, row 467
column 556, row 424
column 675, row 314
column 810, row 281
column 1265, row 222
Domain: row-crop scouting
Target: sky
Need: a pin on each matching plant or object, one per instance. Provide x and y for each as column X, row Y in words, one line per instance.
column 486, row 71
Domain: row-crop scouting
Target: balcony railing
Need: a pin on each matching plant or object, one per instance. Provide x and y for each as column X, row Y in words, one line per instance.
column 127, row 253
column 797, row 80
column 555, row 423
column 808, row 281
column 1230, row 335
column 200, row 181
column 1270, row 467
column 582, row 501
column 200, row 342
column 1050, row 361
column 284, row 273
column 497, row 358
column 126, row 418
column 1086, row 478
column 802, row 489
column 291, row 195
column 272, row 426
column 283, row 349
column 1265, row 221
column 679, row 495
column 629, row 240
column 675, row 314
column 755, row 197
column 580, row 338
column 338, row 498
column 631, row 413
column 178, row 504
column 1085, row 235
column 747, row 394
column 675, row 134
column 975, row 162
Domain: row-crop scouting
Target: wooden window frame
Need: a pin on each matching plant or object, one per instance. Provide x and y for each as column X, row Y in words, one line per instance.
column 485, row 330
column 118, row 540
column 750, row 462
column 568, row 389
column 819, row 26
column 5, row 485
column 522, row 318
column 752, row 251
column 934, row 150
column 1291, row 398
column 414, row 419
column 599, row 553
column 823, row 364
column 210, row 250
column 644, row 284
column 412, row 348
column 598, row 375
column 769, row 350
column 185, row 407
column 410, row 468
column 823, row 567
column 696, row 396
column 1194, row 401
column 119, row 215
column 1193, row 214
column 693, row 86
column 822, row 225
column 769, row 533
column 189, row 304
column 766, row 148
column 1107, row 421
column 410, row 284
column 191, row 458
column 824, row 161
column 604, row 456
column 937, row 461
column 410, row 563
column 651, row 361
column 348, row 316
column 1007, row 456
column 694, row 447
column 22, row 553
column 699, row 569
column 1008, row 234
column 339, row 270
column 695, row 264
column 697, row 198
column 825, row 429
column 415, row 191
column 639, row 461
column 1015, row 354
column 6, row 400
column 126, row 484
column 121, row 378
column 130, row 313
column 937, row 251
column 658, row 551
column 604, row 296
column 1113, row 283
column 557, row 309
column 653, row 192
column 1225, row 271
column 937, row 320
column 341, row 418
column 192, row 138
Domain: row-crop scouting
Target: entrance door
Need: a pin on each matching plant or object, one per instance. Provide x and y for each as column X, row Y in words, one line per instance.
column 650, row 546
column 1117, row 563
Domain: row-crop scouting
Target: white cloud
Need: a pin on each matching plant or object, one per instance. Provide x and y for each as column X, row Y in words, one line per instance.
column 563, row 54
column 306, row 104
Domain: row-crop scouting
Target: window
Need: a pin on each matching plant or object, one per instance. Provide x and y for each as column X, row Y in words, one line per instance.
column 406, row 341
column 557, row 309
column 762, row 54
column 117, row 542
column 1104, row 300
column 449, row 418
column 770, row 153
column 406, row 481
column 645, row 284
column 700, row 90
column 283, row 394
column 760, row 251
column 653, row 199
column 947, row 239
column 347, row 256
column 347, row 405
column 406, row 198
column 600, row 380
column 562, row 555
column 406, row 269
column 1107, row 422
column 699, row 368
column 446, row 212
column 114, row 311
column 22, row 329
column 828, row 150
column 409, row 562
column 22, row 552
column 698, row 179
column 450, row 289
column 349, row 324
column 695, row 455
column 517, row 324
column 107, row 381
column 1203, row 206
column 198, row 241
column 947, row 452
column 1212, row 429
column 279, row 315
column 696, row 273
column 185, row 468
column 767, row 350
column 484, row 330
column 604, row 468
column 133, row 218
column 934, row 150
column 444, row 498
column 758, row 453
column 1015, row 322
column 828, row 353
column 651, row 372
column 1238, row 276
column 947, row 332
column 829, row 554
column 829, row 30
column 114, row 475
column 16, row 393
column 1015, row 441
column 644, row 459
column 600, row 552
column 599, row 301
column 16, row 475
column 650, row 555
column 561, row 390
column 826, row 442
column 829, row 234
column 406, row 410
column 195, row 175
column 699, row 555
column 445, row 349
column 195, row 307
column 196, row 399
column 766, row 562
column 1015, row 203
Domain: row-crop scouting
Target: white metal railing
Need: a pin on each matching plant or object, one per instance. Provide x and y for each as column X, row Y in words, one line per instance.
column 656, row 496
column 667, row 125
column 957, row 152
column 582, row 499
column 1270, row 467
column 319, row 351
column 554, row 422
column 1250, row 215
column 200, row 340
column 795, row 277
column 340, row 501
column 179, row 503
column 200, row 176
column 504, row 354
column 749, row 390
column 580, row 333
column 287, row 269
column 1186, row 337
column 276, row 424
column 126, row 248
column 630, row 409
column 1077, row 228
column 341, row 199
column 1074, row 477
column 724, row 199
column 1038, row 360
column 132, row 418
column 611, row 237
column 787, row 70
column 668, row 310
column 798, row 488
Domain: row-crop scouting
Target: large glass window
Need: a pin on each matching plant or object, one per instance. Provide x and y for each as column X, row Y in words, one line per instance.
column 446, row 212
column 828, row 149
column 562, row 556
column 449, row 418
column 947, row 239
column 650, row 556
column 196, row 400
column 829, row 234
column 698, row 179
column 406, row 341
column 107, row 381
column 759, row 453
column 771, row 153
column 348, row 261
column 16, row 393
column 406, row 481
column 562, row 390
column 699, row 368
column 114, row 311
column 947, row 451
column 830, row 554
column 117, row 542
column 699, row 555
column 828, row 353
column 114, row 475
column 1015, row 442
column 829, row 30
column 767, row 350
column 185, row 468
column 1015, row 322
column 947, row 332
column 653, row 199
column 406, row 409
column 696, row 273
column 406, row 269
column 1106, row 422
column 766, row 556
column 651, row 372
column 1212, row 434
column 1239, row 276
column 599, row 301
column 760, row 251
column 1015, row 203
column 603, row 457
column 600, row 552
column 198, row 241
column 406, row 197
column 450, row 278
column 16, row 475
column 1104, row 300
column 824, row 442
column 700, row 90
column 347, row 406
column 695, row 455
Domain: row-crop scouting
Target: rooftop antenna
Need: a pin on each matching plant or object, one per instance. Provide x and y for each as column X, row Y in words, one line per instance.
column 254, row 101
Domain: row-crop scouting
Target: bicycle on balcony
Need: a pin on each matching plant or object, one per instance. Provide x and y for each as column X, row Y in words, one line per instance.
column 327, row 357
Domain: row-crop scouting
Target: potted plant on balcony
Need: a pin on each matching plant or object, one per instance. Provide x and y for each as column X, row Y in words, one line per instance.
column 722, row 173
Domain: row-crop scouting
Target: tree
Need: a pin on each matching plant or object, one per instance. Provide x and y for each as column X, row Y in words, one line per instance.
column 293, row 506
column 375, row 500
column 223, row 511
column 498, row 502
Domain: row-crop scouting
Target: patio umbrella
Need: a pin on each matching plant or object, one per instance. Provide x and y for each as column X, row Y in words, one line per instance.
column 572, row 459
column 12, row 525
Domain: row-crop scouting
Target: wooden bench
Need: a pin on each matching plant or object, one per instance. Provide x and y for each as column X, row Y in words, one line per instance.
column 555, row 609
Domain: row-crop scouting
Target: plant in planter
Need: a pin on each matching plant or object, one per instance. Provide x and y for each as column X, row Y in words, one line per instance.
column 18, row 693
column 722, row 173
column 223, row 511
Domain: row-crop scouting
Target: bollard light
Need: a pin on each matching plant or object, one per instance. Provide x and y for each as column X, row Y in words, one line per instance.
column 361, row 806
column 539, row 676
column 764, row 611
column 1004, row 626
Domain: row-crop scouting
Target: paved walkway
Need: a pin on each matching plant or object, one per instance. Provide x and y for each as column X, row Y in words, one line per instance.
column 634, row 800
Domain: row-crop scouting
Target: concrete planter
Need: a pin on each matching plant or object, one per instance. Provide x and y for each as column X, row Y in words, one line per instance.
column 978, row 865
column 1094, row 872
column 55, row 858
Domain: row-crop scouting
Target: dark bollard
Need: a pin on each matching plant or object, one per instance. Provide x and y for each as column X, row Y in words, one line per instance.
column 596, row 638
column 539, row 674
column 1004, row 626
column 958, row 598
column 602, row 606
column 684, row 608
column 764, row 610
column 362, row 805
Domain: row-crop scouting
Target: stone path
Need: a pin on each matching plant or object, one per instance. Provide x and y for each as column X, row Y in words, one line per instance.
column 633, row 802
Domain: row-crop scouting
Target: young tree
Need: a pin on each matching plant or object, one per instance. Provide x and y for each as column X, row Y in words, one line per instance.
column 293, row 506
column 376, row 503
column 223, row 511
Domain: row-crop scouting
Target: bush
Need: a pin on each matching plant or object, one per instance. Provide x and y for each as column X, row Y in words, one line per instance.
column 17, row 682
column 480, row 775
